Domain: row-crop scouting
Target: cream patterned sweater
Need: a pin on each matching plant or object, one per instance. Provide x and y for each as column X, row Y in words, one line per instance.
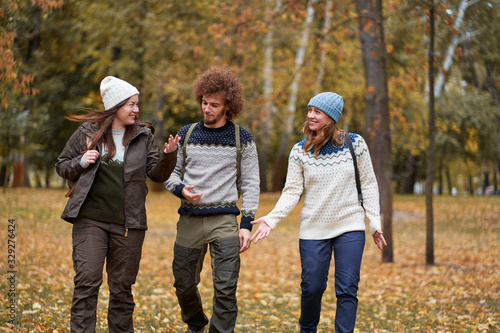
column 331, row 205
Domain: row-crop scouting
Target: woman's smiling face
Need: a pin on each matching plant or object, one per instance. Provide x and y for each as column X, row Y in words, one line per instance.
column 127, row 113
column 316, row 118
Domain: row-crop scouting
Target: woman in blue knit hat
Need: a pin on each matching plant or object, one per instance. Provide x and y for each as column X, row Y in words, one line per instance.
column 332, row 219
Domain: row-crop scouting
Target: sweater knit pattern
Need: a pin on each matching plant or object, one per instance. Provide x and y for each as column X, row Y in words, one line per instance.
column 211, row 166
column 331, row 205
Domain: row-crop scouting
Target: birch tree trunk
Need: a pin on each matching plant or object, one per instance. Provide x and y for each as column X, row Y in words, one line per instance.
column 377, row 131
column 322, row 62
column 292, row 100
column 455, row 41
column 269, row 108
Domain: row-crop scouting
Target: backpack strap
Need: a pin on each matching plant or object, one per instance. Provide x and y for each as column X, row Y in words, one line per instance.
column 356, row 171
column 238, row 156
column 184, row 145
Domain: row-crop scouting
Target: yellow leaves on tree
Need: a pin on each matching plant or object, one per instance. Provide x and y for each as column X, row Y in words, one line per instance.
column 9, row 65
column 45, row 5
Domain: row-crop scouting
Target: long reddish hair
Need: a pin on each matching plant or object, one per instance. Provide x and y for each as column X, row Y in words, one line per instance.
column 317, row 139
column 103, row 119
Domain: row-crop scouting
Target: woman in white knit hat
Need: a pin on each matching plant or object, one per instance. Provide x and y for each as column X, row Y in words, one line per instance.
column 106, row 161
column 332, row 219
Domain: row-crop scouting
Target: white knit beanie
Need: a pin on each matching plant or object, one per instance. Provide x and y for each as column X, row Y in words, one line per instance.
column 115, row 91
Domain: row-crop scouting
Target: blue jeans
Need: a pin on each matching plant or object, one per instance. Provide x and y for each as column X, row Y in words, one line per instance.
column 315, row 257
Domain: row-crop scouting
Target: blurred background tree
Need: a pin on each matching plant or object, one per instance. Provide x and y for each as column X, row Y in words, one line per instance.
column 55, row 53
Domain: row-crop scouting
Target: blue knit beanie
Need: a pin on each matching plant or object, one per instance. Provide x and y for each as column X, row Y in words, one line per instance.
column 330, row 103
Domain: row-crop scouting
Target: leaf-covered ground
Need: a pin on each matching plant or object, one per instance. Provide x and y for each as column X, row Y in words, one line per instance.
column 461, row 293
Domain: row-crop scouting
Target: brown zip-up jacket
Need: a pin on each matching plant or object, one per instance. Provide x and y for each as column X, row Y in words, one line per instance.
column 142, row 157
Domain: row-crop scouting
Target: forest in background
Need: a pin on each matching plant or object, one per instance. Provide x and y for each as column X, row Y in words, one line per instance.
column 54, row 53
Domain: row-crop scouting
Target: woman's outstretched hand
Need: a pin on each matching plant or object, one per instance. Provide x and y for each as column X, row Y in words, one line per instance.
column 379, row 239
column 171, row 144
column 262, row 232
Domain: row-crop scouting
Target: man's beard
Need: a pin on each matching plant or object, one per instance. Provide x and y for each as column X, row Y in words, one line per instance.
column 209, row 121
column 213, row 120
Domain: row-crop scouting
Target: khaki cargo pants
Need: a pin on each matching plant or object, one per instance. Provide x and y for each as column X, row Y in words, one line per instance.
column 194, row 235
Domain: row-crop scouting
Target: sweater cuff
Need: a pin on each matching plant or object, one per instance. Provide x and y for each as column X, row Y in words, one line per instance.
column 83, row 163
column 270, row 222
column 245, row 223
column 178, row 191
column 173, row 151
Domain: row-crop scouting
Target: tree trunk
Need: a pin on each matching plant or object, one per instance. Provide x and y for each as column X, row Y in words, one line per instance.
column 3, row 175
column 494, row 93
column 411, row 175
column 440, row 177
column 387, row 199
column 471, row 186
column 322, row 62
column 448, row 180
column 38, row 179
column 472, row 70
column 491, row 81
column 495, row 186
column 48, row 168
column 292, row 99
column 377, row 130
column 269, row 109
column 429, row 252
column 18, row 170
column 20, row 176
column 486, row 181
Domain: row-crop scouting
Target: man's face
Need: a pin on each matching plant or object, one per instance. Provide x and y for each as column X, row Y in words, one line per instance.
column 214, row 110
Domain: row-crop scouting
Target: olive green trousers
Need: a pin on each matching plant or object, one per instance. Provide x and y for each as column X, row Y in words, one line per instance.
column 194, row 235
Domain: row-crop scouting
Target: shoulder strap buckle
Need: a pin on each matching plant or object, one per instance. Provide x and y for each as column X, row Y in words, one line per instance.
column 356, row 171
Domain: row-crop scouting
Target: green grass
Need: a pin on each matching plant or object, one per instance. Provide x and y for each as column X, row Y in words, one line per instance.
column 458, row 294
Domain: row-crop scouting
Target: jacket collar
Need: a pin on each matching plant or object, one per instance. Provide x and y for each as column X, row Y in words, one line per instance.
column 90, row 129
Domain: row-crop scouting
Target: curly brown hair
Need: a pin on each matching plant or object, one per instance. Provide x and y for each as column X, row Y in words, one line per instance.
column 221, row 81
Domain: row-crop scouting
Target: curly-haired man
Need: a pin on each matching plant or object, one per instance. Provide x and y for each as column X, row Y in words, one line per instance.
column 217, row 162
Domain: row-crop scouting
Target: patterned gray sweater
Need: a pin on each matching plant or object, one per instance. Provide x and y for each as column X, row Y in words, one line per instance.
column 211, row 166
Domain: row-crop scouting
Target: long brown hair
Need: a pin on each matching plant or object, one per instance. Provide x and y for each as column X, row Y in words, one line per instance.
column 103, row 119
column 317, row 139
